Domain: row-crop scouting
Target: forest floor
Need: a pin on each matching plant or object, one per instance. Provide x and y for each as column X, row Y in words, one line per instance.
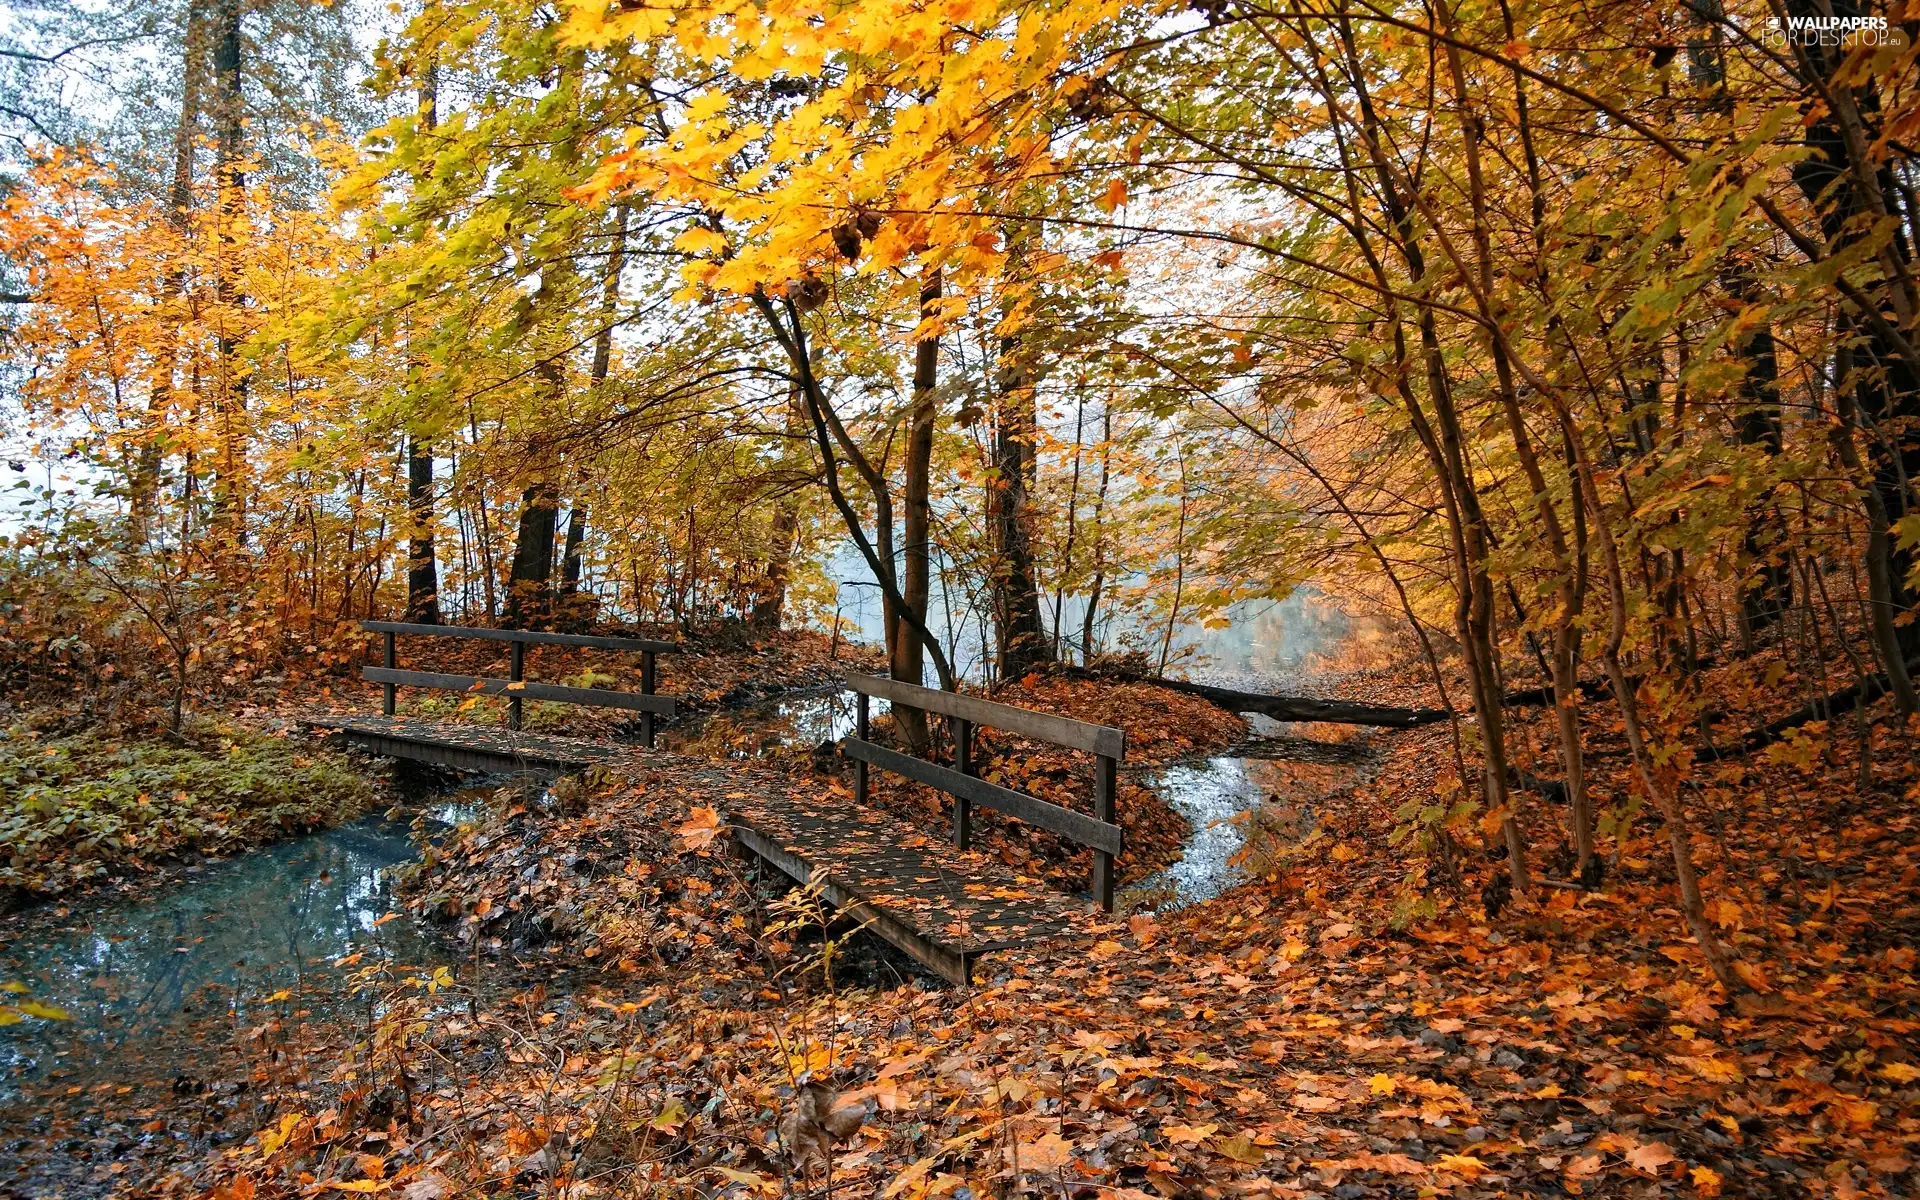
column 1352, row 1023
column 641, row 1012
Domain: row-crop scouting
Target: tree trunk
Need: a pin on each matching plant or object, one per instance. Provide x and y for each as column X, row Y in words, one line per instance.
column 230, row 494
column 1022, row 636
column 1882, row 586
column 1766, row 594
column 530, row 581
column 783, row 321
column 1852, row 195
column 571, row 564
column 144, row 488
column 423, row 569
column 1099, row 535
column 907, row 659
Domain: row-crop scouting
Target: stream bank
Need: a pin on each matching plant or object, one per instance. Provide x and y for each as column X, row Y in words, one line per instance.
column 198, row 1006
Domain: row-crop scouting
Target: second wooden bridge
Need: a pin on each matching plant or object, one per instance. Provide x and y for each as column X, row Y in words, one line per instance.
column 942, row 904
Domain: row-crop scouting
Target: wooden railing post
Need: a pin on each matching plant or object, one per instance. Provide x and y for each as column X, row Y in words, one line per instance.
column 517, row 672
column 860, row 767
column 389, row 661
column 963, row 763
column 1105, row 770
column 646, row 689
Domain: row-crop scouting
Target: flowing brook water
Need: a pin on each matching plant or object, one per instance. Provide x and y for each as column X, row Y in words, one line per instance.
column 175, row 991
column 173, row 994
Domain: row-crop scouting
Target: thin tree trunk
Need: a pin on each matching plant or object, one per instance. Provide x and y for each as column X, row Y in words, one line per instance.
column 1099, row 535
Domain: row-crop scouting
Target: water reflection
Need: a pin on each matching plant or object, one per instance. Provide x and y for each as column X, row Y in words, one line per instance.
column 791, row 726
column 156, row 983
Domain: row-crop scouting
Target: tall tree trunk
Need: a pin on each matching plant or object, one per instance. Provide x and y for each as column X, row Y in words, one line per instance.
column 572, row 559
column 907, row 659
column 1768, row 591
column 423, row 568
column 1021, row 633
column 1440, row 436
column 831, row 440
column 144, row 488
column 230, row 494
column 1099, row 535
column 1883, row 603
column 1852, row 195
column 530, row 581
column 770, row 602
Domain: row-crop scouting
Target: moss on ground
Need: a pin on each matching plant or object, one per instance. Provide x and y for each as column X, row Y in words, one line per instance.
column 79, row 807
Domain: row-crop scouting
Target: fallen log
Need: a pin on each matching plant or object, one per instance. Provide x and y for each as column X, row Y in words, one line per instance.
column 1304, row 708
column 1843, row 701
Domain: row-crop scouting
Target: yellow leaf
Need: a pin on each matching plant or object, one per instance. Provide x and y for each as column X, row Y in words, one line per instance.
column 272, row 1139
column 1755, row 978
column 1381, row 1085
column 1240, row 1149
column 905, row 1179
column 46, row 1012
column 1116, row 195
column 700, row 240
column 1188, row 1135
column 1900, row 1072
column 1706, row 1181
column 1465, row 1165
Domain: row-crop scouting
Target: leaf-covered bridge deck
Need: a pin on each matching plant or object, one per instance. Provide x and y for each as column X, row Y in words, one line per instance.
column 942, row 906
column 470, row 747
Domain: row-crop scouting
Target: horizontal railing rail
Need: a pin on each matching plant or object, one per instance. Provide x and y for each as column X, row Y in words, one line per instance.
column 1061, row 731
column 1099, row 832
column 517, row 687
column 530, row 636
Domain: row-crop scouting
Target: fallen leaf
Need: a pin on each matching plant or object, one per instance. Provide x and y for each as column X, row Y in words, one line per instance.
column 1048, row 1153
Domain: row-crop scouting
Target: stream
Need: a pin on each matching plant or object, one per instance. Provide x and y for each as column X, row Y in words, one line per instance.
column 172, row 988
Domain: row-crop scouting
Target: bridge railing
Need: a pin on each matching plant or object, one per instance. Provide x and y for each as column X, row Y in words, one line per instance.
column 516, row 687
column 1108, row 745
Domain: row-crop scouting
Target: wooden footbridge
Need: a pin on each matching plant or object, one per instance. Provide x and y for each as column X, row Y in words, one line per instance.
column 940, row 903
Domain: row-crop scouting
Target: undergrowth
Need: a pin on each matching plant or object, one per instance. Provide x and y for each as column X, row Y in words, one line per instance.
column 76, row 808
